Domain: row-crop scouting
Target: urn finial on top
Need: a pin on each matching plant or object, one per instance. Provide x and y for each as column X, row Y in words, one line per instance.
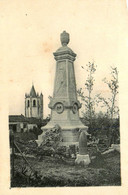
column 64, row 37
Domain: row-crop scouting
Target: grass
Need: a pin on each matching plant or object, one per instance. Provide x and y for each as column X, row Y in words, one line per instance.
column 104, row 170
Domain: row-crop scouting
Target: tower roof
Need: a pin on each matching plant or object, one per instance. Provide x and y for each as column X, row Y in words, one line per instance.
column 33, row 92
column 41, row 94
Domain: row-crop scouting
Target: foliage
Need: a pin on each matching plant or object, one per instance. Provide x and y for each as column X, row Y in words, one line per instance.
column 51, row 140
column 50, row 146
column 103, row 171
column 89, row 101
column 25, row 136
column 37, row 131
column 110, row 103
column 104, row 122
column 52, row 137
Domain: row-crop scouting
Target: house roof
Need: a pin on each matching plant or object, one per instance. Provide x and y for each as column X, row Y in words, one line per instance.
column 22, row 118
column 17, row 118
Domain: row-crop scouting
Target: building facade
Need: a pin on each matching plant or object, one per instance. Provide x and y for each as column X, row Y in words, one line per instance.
column 34, row 104
column 18, row 123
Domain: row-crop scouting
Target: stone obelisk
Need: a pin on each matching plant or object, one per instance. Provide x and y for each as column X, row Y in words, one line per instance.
column 64, row 105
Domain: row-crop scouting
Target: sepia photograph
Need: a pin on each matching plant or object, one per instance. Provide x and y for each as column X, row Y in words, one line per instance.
column 63, row 94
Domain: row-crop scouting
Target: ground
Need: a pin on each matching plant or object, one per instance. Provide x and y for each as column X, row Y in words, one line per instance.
column 104, row 170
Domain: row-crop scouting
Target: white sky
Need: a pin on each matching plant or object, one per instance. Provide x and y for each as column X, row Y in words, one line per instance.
column 31, row 33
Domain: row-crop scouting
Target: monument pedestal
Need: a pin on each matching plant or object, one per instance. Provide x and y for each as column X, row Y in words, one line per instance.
column 70, row 132
column 64, row 105
column 70, row 125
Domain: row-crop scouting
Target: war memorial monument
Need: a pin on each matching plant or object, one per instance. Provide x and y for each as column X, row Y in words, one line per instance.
column 61, row 154
column 64, row 105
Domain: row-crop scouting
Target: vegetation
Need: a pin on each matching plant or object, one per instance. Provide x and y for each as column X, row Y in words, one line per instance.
column 89, row 101
column 107, row 122
column 50, row 164
column 110, row 103
column 50, row 171
column 112, row 110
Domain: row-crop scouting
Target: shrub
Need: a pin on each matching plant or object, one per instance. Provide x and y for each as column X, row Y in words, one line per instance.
column 52, row 137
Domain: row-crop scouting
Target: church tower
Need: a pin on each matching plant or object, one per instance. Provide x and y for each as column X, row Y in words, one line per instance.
column 34, row 104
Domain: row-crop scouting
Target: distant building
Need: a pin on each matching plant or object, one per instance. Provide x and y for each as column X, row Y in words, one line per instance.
column 33, row 113
column 33, row 122
column 34, row 104
column 18, row 123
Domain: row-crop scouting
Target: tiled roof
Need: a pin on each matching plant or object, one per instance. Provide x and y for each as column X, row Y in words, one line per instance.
column 17, row 118
column 22, row 118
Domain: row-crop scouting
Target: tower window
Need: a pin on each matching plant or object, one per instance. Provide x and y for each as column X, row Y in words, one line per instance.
column 28, row 103
column 34, row 103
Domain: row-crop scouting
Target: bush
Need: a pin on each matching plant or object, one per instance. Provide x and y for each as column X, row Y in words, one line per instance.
column 25, row 136
column 52, row 137
column 37, row 131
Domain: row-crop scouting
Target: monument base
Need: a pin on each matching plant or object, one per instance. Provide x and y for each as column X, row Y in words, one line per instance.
column 83, row 159
column 70, row 131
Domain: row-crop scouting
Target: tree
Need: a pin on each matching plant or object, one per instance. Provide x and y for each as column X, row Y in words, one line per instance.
column 89, row 101
column 110, row 103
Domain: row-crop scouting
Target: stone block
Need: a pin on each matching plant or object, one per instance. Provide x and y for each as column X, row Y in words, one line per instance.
column 82, row 159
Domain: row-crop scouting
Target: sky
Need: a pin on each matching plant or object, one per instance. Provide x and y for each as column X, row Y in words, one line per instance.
column 30, row 34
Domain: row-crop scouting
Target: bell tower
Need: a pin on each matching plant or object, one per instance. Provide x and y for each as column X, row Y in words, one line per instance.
column 34, row 104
